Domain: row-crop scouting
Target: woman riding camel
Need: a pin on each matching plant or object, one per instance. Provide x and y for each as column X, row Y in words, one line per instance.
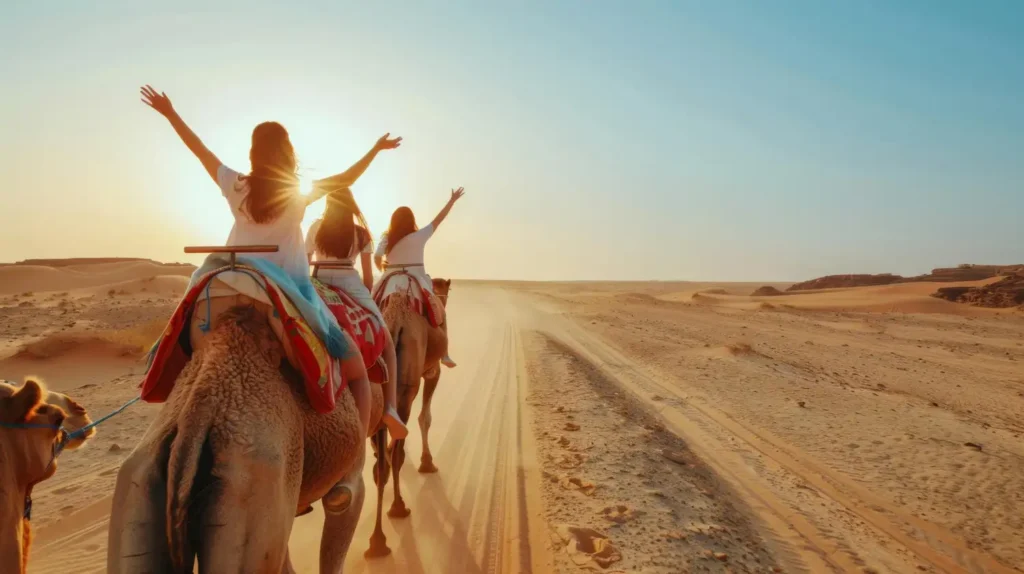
column 402, row 246
column 268, row 208
column 338, row 237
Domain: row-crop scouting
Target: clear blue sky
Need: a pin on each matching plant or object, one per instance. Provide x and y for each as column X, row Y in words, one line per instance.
column 717, row 140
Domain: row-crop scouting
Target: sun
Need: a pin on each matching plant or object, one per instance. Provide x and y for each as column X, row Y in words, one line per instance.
column 305, row 184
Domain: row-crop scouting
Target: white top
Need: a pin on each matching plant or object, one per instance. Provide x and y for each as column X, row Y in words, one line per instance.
column 330, row 274
column 285, row 231
column 409, row 250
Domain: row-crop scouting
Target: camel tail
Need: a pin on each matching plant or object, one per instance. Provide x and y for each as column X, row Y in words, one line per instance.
column 182, row 468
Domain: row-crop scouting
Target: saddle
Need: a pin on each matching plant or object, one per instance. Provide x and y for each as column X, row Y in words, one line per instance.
column 361, row 325
column 421, row 298
column 220, row 289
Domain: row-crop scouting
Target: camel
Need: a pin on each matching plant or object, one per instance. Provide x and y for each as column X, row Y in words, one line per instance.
column 419, row 349
column 235, row 454
column 31, row 420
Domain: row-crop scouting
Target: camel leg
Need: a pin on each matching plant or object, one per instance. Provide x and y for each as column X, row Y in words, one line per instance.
column 378, row 542
column 249, row 514
column 429, row 386
column 411, row 351
column 407, row 396
column 136, row 538
column 342, row 507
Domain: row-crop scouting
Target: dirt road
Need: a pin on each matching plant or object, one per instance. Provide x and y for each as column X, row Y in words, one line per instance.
column 477, row 513
column 685, row 433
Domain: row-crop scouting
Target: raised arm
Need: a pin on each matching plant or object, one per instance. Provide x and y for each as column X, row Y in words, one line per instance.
column 456, row 194
column 322, row 187
column 162, row 104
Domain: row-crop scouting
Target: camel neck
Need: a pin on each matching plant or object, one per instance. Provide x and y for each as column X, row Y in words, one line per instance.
column 12, row 512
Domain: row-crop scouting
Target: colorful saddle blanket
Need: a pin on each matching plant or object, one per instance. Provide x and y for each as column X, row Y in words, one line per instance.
column 421, row 298
column 320, row 371
column 361, row 324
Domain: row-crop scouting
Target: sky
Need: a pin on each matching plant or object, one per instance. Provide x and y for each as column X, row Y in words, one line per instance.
column 655, row 140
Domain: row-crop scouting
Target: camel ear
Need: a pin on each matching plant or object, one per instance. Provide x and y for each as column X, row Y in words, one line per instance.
column 20, row 406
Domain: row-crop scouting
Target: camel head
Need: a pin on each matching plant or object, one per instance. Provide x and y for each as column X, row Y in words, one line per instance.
column 30, row 448
column 75, row 418
column 441, row 288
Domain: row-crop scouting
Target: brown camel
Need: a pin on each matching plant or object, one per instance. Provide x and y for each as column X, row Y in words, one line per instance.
column 30, row 423
column 235, row 454
column 419, row 349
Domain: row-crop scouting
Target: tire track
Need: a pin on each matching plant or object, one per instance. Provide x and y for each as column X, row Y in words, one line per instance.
column 725, row 444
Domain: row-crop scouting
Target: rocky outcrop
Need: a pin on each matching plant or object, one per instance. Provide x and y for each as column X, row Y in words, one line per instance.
column 1007, row 292
column 958, row 274
column 836, row 281
column 968, row 272
column 766, row 291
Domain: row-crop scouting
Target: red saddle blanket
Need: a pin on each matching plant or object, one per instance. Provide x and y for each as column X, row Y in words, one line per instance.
column 321, row 373
column 361, row 324
column 421, row 299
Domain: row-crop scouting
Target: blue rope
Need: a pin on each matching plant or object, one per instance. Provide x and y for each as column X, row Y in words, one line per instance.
column 81, row 432
column 205, row 325
column 69, row 436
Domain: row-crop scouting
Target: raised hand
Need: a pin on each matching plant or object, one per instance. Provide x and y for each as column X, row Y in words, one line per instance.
column 158, row 101
column 384, row 143
column 456, row 194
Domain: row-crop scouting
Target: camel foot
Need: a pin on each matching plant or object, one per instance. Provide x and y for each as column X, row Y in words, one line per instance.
column 378, row 547
column 399, row 510
column 305, row 511
column 427, row 467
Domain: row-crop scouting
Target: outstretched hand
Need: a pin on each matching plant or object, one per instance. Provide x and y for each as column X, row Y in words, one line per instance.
column 384, row 143
column 456, row 194
column 158, row 101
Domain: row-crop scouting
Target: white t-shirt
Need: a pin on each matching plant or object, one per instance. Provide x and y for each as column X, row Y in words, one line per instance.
column 409, row 250
column 311, row 249
column 285, row 231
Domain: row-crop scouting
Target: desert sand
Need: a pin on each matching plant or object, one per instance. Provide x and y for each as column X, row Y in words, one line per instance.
column 663, row 427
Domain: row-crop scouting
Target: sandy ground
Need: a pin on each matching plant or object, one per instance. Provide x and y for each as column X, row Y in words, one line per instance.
column 666, row 427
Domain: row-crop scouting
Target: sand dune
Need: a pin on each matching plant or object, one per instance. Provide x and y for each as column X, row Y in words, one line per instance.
column 895, row 298
column 172, row 285
column 36, row 278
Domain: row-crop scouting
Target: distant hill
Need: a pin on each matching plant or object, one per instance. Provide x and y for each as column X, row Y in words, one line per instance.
column 965, row 272
column 87, row 261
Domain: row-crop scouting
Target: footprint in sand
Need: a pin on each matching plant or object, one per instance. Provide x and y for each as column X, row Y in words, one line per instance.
column 573, row 460
column 576, row 483
column 572, row 427
column 586, row 545
column 619, row 514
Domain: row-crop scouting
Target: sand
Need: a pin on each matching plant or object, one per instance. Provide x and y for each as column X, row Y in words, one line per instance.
column 617, row 427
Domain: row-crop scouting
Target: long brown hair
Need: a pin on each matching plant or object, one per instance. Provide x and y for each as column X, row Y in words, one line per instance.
column 338, row 228
column 403, row 222
column 273, row 178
